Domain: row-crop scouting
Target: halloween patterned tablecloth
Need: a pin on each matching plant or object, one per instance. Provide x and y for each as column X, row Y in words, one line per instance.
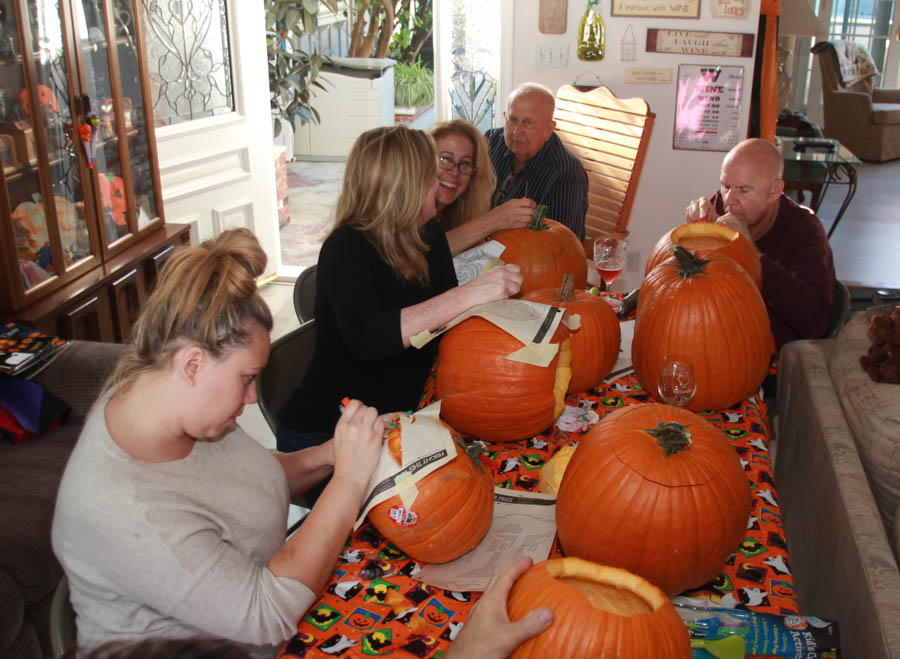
column 374, row 606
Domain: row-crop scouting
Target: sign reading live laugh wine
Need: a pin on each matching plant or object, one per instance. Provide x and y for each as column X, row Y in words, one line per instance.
column 657, row 8
column 695, row 42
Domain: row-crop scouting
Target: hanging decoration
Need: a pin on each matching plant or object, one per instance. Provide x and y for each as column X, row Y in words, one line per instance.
column 88, row 132
column 592, row 34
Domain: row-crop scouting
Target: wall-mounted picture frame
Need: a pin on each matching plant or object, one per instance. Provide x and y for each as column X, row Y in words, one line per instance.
column 708, row 107
column 656, row 8
column 698, row 42
column 738, row 9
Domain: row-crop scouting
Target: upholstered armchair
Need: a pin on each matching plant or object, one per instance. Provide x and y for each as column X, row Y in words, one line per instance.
column 864, row 119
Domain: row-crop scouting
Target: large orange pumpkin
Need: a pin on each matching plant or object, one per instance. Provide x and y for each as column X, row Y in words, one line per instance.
column 544, row 250
column 705, row 306
column 595, row 345
column 485, row 395
column 452, row 510
column 599, row 611
column 655, row 490
column 709, row 235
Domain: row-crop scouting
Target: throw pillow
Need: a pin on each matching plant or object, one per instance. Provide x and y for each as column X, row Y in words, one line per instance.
column 26, row 409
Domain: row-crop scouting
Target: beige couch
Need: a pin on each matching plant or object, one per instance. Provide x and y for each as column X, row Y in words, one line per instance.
column 837, row 467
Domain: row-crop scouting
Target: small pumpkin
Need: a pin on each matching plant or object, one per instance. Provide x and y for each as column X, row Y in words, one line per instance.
column 544, row 250
column 452, row 510
column 705, row 306
column 595, row 345
column 485, row 395
column 709, row 236
column 656, row 490
column 599, row 611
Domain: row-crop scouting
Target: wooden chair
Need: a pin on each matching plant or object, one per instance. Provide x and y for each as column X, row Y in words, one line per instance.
column 610, row 136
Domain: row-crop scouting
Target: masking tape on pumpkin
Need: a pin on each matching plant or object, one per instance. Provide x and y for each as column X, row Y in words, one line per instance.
column 406, row 489
column 536, row 354
column 572, row 321
column 420, row 339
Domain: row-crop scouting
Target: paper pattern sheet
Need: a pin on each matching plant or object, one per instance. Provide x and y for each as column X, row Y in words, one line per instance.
column 524, row 524
column 426, row 445
column 473, row 261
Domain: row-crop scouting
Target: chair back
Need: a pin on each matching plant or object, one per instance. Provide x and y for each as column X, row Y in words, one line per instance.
column 305, row 294
column 288, row 360
column 841, row 308
column 63, row 634
column 610, row 136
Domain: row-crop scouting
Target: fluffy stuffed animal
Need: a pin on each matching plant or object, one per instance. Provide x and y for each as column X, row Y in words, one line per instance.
column 882, row 362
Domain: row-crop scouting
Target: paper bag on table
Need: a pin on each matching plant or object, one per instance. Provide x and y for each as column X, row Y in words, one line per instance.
column 426, row 445
column 524, row 524
column 532, row 323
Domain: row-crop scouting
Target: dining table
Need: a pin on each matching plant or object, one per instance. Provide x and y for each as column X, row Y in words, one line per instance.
column 373, row 604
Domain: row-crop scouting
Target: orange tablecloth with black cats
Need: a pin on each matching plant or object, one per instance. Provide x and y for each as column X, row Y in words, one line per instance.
column 374, row 606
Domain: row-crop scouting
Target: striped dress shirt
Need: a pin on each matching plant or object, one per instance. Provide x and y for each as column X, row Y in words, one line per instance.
column 554, row 177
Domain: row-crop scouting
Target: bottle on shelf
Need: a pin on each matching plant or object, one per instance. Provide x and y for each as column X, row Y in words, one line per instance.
column 592, row 34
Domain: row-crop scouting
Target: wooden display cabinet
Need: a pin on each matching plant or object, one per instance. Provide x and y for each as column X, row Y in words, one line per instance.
column 81, row 215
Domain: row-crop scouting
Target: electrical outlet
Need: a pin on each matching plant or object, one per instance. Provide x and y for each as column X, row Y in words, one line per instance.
column 633, row 262
column 551, row 56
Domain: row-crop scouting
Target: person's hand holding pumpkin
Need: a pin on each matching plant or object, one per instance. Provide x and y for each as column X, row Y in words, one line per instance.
column 488, row 632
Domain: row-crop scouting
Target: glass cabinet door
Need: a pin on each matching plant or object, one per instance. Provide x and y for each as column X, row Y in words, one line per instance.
column 134, row 118
column 102, row 147
column 51, row 234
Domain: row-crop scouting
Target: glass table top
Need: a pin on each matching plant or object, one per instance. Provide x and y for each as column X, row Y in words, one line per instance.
column 816, row 149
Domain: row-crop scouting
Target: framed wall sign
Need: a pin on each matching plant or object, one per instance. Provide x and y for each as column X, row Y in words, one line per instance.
column 708, row 107
column 730, row 8
column 695, row 42
column 656, row 8
column 552, row 16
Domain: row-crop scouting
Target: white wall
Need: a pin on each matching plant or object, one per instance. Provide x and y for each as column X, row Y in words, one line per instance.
column 670, row 178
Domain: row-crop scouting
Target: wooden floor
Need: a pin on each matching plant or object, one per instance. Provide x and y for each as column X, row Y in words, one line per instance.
column 866, row 243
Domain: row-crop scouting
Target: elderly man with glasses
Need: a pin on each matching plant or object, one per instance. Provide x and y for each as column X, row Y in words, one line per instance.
column 531, row 161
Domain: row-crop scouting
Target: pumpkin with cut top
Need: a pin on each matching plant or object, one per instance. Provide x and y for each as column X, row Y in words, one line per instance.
column 709, row 236
column 598, row 611
column 655, row 490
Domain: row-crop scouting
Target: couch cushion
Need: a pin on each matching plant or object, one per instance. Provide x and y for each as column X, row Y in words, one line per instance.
column 886, row 114
column 872, row 410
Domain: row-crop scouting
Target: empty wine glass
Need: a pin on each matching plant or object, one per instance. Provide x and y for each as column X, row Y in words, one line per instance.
column 609, row 258
column 677, row 381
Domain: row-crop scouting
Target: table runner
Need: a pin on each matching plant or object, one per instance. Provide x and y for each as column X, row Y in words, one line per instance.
column 358, row 615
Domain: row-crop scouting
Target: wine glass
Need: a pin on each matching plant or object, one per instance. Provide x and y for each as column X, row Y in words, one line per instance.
column 677, row 381
column 609, row 258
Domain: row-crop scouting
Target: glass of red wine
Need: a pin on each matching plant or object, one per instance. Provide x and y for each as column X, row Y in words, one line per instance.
column 609, row 258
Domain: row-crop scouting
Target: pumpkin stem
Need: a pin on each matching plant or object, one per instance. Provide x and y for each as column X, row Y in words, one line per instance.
column 689, row 263
column 566, row 289
column 672, row 436
column 474, row 450
column 537, row 219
